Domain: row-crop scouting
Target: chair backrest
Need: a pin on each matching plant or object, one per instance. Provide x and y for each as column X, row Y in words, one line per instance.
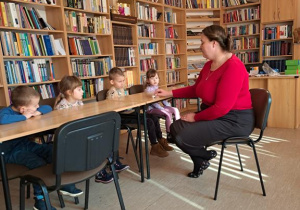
column 84, row 144
column 101, row 95
column 261, row 103
column 48, row 101
column 136, row 89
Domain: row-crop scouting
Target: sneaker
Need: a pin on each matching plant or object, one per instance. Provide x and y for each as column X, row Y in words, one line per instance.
column 104, row 177
column 120, row 167
column 70, row 190
column 40, row 204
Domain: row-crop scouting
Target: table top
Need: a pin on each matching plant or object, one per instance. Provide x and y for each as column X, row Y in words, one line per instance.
column 56, row 118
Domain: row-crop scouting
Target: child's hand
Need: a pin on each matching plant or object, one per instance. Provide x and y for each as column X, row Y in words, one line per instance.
column 28, row 114
column 36, row 113
column 189, row 117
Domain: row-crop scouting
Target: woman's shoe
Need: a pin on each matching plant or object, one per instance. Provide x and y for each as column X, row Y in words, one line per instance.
column 212, row 154
column 196, row 173
column 205, row 164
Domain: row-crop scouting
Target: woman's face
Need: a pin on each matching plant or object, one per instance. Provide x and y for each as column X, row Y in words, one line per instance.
column 206, row 47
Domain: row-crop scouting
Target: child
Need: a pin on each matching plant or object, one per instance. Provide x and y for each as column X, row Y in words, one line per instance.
column 70, row 93
column 167, row 110
column 25, row 104
column 159, row 145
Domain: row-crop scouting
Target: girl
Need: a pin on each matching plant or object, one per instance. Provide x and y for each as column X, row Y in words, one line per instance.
column 70, row 93
column 167, row 110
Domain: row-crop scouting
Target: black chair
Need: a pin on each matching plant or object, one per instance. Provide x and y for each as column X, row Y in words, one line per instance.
column 261, row 102
column 101, row 95
column 80, row 150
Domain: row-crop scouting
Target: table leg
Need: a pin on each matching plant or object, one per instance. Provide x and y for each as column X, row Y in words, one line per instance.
column 5, row 181
column 146, row 142
column 140, row 144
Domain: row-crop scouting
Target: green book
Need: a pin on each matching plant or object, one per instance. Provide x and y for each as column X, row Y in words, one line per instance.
column 292, row 62
column 287, row 72
column 293, row 67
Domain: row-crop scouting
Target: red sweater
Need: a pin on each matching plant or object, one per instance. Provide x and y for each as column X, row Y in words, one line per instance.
column 225, row 89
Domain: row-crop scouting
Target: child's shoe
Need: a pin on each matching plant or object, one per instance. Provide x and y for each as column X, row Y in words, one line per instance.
column 70, row 190
column 164, row 143
column 120, row 167
column 104, row 177
column 158, row 150
column 40, row 204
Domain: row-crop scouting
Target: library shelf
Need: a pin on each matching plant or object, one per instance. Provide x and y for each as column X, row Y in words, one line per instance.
column 33, row 83
column 240, row 22
column 86, row 11
column 241, row 6
column 31, row 30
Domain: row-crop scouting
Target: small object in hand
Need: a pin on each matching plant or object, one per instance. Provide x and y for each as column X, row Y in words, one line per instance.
column 153, row 96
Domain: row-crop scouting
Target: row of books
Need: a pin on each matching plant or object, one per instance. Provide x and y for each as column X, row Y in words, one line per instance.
column 180, row 103
column 196, row 64
column 145, row 12
column 147, row 30
column 243, row 29
column 203, row 4
column 229, row 3
column 91, row 87
column 26, row 44
column 148, row 48
column 122, row 35
column 277, row 32
column 129, row 81
column 84, row 46
column 79, row 22
column 90, row 5
column 277, row 48
column 15, row 15
column 124, row 56
column 174, row 3
column 241, row 15
column 91, row 67
column 246, row 43
column 148, row 63
column 36, row 70
column 172, row 63
column 173, row 77
column 248, row 57
column 276, row 64
column 171, row 32
column 170, row 17
column 53, row 2
column 172, row 48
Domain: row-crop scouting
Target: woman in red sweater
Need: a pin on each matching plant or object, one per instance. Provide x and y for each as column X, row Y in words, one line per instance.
column 226, row 109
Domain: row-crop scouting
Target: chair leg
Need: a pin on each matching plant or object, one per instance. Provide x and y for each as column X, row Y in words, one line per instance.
column 238, row 152
column 61, row 199
column 22, row 194
column 258, row 169
column 116, row 180
column 76, row 200
column 128, row 136
column 134, row 150
column 28, row 191
column 219, row 171
column 87, row 191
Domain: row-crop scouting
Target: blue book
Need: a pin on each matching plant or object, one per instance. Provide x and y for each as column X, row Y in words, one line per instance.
column 29, row 71
column 48, row 45
column 34, row 19
column 86, row 47
column 21, row 71
column 7, row 72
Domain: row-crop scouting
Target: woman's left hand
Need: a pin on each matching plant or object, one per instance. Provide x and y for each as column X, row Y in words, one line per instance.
column 189, row 117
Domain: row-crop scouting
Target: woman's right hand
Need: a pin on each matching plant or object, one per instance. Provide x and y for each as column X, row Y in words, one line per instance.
column 162, row 92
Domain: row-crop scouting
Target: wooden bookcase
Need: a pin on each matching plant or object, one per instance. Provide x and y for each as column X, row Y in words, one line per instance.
column 242, row 21
column 54, row 15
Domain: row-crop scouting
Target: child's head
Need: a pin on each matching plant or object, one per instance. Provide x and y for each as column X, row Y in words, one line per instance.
column 116, row 77
column 152, row 78
column 25, row 98
column 71, row 88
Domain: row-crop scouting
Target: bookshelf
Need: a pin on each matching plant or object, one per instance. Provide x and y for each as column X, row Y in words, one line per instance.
column 242, row 22
column 32, row 58
column 199, row 14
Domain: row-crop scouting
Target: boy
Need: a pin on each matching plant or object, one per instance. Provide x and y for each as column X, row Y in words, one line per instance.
column 25, row 104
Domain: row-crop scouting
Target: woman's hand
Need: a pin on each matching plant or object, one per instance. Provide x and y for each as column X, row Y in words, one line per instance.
column 189, row 117
column 162, row 92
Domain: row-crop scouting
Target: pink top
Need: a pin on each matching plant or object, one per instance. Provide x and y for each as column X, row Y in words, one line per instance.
column 225, row 89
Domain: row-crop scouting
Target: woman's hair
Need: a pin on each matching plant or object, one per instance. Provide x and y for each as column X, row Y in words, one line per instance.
column 149, row 74
column 67, row 83
column 22, row 96
column 218, row 34
column 116, row 71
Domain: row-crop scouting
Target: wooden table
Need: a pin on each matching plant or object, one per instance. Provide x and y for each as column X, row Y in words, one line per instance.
column 53, row 120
